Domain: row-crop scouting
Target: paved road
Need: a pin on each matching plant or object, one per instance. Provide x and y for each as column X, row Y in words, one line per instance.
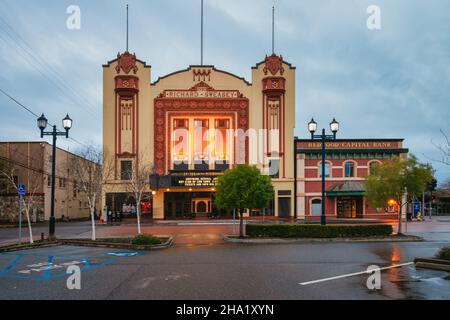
column 202, row 266
column 223, row 272
column 66, row 229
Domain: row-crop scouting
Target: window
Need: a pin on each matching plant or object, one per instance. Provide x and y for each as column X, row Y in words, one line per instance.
column 349, row 169
column 327, row 169
column 62, row 182
column 316, row 207
column 75, row 187
column 274, row 169
column 126, row 168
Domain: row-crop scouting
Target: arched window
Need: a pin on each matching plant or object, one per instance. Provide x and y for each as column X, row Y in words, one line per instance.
column 327, row 170
column 349, row 169
column 316, row 207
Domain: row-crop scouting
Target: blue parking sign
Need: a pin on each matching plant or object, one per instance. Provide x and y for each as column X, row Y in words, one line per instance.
column 21, row 190
column 416, row 209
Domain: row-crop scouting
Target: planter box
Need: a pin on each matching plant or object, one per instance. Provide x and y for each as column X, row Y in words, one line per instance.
column 105, row 244
column 433, row 264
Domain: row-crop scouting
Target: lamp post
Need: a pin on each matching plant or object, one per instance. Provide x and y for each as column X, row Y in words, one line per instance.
column 67, row 125
column 334, row 127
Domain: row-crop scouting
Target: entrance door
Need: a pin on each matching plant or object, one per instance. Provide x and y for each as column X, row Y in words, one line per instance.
column 202, row 207
column 346, row 208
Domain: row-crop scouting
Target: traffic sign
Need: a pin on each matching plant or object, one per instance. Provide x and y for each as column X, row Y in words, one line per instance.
column 21, row 190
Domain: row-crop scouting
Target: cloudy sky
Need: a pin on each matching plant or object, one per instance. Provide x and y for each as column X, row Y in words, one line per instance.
column 388, row 83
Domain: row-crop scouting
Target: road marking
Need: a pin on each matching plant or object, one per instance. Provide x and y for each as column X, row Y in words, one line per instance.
column 354, row 274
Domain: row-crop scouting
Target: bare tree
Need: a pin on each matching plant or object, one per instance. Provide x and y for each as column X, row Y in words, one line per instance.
column 138, row 184
column 8, row 174
column 444, row 148
column 90, row 171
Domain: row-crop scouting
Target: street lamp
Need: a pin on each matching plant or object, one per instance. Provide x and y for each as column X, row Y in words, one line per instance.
column 334, row 127
column 42, row 123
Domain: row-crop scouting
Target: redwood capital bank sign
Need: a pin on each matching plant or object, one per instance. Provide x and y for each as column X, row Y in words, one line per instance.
column 350, row 145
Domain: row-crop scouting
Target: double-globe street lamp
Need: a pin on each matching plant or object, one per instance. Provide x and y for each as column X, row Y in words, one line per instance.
column 67, row 125
column 334, row 127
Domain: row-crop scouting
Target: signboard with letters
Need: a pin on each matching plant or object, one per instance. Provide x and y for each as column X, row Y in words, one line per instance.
column 194, row 179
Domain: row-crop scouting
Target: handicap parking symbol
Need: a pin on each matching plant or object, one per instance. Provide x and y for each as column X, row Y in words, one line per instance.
column 124, row 254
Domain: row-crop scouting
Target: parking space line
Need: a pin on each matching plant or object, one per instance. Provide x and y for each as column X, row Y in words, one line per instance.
column 354, row 274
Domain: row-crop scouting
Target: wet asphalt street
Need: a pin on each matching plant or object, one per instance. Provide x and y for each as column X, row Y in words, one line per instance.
column 201, row 266
column 223, row 271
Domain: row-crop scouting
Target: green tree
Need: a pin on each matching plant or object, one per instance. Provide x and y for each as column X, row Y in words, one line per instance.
column 243, row 188
column 394, row 179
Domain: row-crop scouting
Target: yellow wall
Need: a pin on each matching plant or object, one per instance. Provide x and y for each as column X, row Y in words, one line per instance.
column 184, row 80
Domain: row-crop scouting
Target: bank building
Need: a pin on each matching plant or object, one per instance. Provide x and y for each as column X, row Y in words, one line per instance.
column 186, row 128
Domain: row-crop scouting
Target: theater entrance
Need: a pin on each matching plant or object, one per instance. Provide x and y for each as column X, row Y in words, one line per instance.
column 191, row 205
column 202, row 207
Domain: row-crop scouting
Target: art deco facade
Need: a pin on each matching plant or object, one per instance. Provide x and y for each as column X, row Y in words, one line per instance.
column 190, row 126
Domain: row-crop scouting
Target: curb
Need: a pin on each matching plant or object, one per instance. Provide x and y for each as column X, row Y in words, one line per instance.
column 84, row 243
column 12, row 248
column 233, row 239
column 433, row 264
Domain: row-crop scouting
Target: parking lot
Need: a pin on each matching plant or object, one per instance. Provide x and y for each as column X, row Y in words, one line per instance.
column 222, row 272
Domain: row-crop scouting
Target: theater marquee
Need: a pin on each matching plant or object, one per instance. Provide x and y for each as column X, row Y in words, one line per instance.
column 194, row 179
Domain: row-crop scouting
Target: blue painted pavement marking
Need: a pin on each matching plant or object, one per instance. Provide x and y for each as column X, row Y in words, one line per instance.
column 124, row 254
column 55, row 266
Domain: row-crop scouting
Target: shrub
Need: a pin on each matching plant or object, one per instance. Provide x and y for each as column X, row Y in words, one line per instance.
column 444, row 253
column 318, row 231
column 145, row 240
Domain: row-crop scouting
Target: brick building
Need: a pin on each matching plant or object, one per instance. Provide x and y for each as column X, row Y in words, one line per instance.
column 348, row 164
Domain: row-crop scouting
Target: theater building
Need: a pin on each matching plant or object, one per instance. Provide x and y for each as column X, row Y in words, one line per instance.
column 348, row 164
column 192, row 125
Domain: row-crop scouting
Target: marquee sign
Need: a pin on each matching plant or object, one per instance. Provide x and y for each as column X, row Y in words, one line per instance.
column 194, row 179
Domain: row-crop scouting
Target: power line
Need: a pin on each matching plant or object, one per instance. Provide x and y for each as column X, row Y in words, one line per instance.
column 61, row 84
column 34, row 114
column 18, row 103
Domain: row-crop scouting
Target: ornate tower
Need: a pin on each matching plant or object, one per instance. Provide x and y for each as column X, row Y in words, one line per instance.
column 274, row 89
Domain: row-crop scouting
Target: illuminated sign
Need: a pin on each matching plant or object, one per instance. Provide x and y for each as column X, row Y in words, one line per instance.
column 221, row 94
column 194, row 179
column 350, row 145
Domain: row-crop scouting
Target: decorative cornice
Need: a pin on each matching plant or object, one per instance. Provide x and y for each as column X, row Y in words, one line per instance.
column 197, row 67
